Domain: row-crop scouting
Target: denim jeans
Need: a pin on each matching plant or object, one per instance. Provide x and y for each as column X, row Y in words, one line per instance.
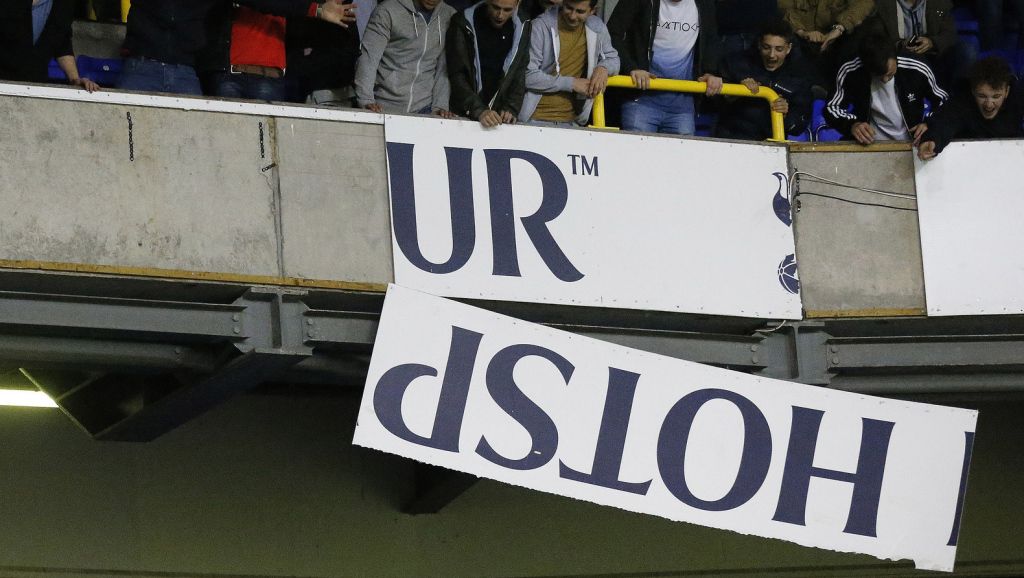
column 552, row 123
column 251, row 86
column 146, row 75
column 644, row 118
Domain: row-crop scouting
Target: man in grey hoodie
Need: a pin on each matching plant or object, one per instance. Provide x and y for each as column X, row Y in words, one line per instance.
column 571, row 58
column 402, row 65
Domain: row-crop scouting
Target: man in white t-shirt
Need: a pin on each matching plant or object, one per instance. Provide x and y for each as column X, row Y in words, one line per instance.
column 881, row 96
column 683, row 46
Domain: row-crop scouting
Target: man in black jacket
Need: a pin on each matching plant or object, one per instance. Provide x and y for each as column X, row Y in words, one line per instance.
column 675, row 39
column 769, row 64
column 487, row 58
column 33, row 33
column 880, row 96
column 991, row 108
column 164, row 37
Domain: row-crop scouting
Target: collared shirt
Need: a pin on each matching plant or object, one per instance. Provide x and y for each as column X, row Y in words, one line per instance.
column 40, row 14
column 911, row 18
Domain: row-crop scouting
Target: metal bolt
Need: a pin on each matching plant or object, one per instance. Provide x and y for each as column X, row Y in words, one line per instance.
column 310, row 333
column 833, row 349
column 236, row 330
column 309, row 322
column 177, row 351
column 754, row 359
column 236, row 317
column 835, row 360
column 753, row 347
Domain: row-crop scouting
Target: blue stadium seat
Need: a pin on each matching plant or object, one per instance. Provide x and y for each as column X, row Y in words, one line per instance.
column 54, row 71
column 704, row 124
column 966, row 23
column 103, row 71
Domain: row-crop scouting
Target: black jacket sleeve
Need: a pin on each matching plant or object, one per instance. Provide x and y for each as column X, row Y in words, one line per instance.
column 623, row 26
column 459, row 51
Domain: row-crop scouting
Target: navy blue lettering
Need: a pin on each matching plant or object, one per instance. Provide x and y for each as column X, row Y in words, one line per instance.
column 867, row 480
column 968, row 450
column 403, row 206
column 503, row 233
column 451, row 406
column 754, row 461
column 511, row 399
column 611, row 439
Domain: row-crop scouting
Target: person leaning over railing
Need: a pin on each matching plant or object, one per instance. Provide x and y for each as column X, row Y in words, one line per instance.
column 402, row 67
column 487, row 51
column 164, row 37
column 33, row 33
column 571, row 58
column 990, row 105
column 675, row 39
column 881, row 96
column 829, row 31
column 770, row 63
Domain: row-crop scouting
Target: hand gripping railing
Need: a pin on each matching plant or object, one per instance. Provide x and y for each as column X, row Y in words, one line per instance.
column 778, row 125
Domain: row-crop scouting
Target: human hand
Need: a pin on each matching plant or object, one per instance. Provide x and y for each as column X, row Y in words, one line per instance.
column 752, row 85
column 780, row 105
column 814, row 36
column 507, row 117
column 922, row 45
column 714, row 84
column 85, row 83
column 581, row 86
column 444, row 113
column 489, row 119
column 598, row 81
column 863, row 133
column 917, row 131
column 335, row 12
column 926, row 150
column 830, row 38
column 374, row 107
column 641, row 79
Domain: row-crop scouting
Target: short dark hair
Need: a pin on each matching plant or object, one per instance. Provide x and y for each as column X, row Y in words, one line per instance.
column 775, row 27
column 592, row 3
column 875, row 54
column 991, row 70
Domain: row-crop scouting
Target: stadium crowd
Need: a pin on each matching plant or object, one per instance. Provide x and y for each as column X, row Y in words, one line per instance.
column 880, row 65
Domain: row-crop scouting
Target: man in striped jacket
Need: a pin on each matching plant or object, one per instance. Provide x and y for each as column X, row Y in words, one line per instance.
column 880, row 96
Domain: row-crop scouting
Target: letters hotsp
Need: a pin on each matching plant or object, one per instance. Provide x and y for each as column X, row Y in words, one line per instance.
column 790, row 505
column 500, row 195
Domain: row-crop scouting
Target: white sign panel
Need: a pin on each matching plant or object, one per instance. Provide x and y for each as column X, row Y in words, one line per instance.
column 970, row 199
column 474, row 391
column 601, row 219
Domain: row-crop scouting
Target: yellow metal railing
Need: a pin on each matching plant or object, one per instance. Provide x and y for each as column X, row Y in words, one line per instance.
column 778, row 125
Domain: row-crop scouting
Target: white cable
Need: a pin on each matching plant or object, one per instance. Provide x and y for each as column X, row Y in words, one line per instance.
column 848, row 186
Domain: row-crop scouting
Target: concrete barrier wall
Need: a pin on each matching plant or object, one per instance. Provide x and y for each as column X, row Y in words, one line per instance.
column 187, row 192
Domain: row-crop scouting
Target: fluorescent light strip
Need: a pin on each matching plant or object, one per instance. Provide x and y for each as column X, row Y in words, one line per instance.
column 25, row 398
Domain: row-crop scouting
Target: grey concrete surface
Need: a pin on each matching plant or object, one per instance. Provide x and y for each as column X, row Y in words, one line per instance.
column 334, row 190
column 193, row 198
column 858, row 258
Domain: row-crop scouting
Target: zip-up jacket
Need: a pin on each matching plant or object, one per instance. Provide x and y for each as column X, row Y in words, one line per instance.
column 402, row 66
column 750, row 118
column 960, row 119
column 634, row 22
column 938, row 20
column 22, row 60
column 463, row 55
column 851, row 103
column 543, row 74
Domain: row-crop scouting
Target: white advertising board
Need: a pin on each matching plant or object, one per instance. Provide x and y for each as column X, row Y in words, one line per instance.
column 602, row 219
column 474, row 391
column 970, row 200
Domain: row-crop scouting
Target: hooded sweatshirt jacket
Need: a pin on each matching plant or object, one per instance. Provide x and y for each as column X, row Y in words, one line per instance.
column 464, row 67
column 542, row 73
column 402, row 66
